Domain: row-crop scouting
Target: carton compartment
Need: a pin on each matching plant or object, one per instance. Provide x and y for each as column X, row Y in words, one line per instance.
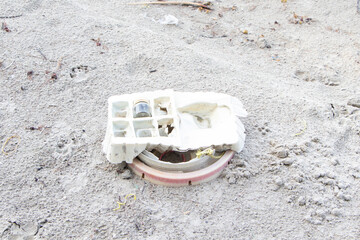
column 162, row 106
column 166, row 127
column 122, row 129
column 120, row 109
column 145, row 128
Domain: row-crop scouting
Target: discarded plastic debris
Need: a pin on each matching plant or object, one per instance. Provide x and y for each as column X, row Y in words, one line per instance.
column 7, row 141
column 195, row 134
column 302, row 130
column 209, row 151
column 206, row 171
column 123, row 203
column 169, row 20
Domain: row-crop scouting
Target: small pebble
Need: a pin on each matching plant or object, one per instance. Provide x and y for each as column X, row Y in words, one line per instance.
column 290, row 199
column 313, row 221
column 288, row 162
column 232, row 180
column 343, row 196
column 282, row 153
column 262, row 43
column 299, row 179
column 240, row 163
column 319, row 175
column 126, row 174
column 302, row 201
column 303, row 148
column 330, row 175
column 315, row 140
column 321, row 213
column 247, row 174
column 297, row 151
column 318, row 201
column 278, row 181
column 329, row 182
column 343, row 185
column 336, row 212
column 347, row 197
column 334, row 162
column 60, row 144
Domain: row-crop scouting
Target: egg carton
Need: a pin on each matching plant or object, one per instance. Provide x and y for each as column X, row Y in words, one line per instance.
column 176, row 121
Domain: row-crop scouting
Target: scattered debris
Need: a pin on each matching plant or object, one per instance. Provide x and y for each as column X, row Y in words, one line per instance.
column 303, row 130
column 6, row 143
column 252, row 8
column 53, row 76
column 355, row 102
column 208, row 152
column 97, row 41
column 59, row 63
column 126, row 174
column 43, row 55
column 304, row 75
column 213, row 36
column 10, row 65
column 281, row 152
column 169, row 20
column 245, row 32
column 5, row 27
column 284, row 1
column 288, row 162
column 30, row 74
column 296, row 19
column 79, row 73
column 276, row 58
column 187, row 213
column 14, row 16
column 193, row 4
column 123, row 203
column 279, row 181
column 232, row 180
column 262, row 43
column 331, row 81
column 40, row 128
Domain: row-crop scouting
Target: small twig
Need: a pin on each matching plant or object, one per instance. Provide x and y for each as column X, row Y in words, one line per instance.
column 58, row 66
column 222, row 36
column 9, row 65
column 15, row 16
column 193, row 4
column 42, row 54
column 97, row 41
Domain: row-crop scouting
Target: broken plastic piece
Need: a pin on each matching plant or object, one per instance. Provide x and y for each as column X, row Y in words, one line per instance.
column 175, row 179
column 169, row 20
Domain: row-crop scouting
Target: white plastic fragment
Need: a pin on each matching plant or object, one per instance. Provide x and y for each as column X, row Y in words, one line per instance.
column 169, row 20
column 178, row 121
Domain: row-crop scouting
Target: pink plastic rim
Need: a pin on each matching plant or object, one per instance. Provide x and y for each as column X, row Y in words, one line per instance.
column 181, row 179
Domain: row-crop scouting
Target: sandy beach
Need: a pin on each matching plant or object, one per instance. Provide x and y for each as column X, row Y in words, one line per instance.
column 295, row 65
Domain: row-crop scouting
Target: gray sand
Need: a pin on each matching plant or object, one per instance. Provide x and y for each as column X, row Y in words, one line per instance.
column 288, row 70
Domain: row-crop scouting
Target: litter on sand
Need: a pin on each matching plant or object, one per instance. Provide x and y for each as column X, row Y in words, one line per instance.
column 169, row 20
column 164, row 131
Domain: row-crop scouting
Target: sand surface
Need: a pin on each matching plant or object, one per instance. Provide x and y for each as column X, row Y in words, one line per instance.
column 62, row 59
